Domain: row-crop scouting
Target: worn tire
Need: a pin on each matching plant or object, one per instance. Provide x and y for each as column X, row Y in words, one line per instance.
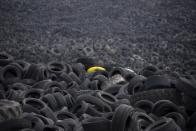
column 9, row 110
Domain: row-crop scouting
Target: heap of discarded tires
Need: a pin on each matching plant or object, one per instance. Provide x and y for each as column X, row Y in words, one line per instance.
column 85, row 97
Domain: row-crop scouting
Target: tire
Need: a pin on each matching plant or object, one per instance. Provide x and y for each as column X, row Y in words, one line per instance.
column 91, row 124
column 69, row 100
column 50, row 100
column 37, row 123
column 56, row 67
column 74, row 77
column 62, row 115
column 33, row 93
column 125, row 73
column 79, row 70
column 189, row 103
column 187, row 86
column 164, row 124
column 178, row 118
column 86, row 61
column 140, row 121
column 107, row 98
column 100, row 105
column 191, row 122
column 9, row 110
column 157, row 82
column 36, row 72
column 33, row 105
column 145, row 105
column 121, row 120
column 102, row 80
column 95, row 85
column 163, row 107
column 10, row 74
column 61, row 102
column 156, row 95
column 114, row 89
column 23, row 64
column 149, row 71
column 5, row 59
column 52, row 128
column 65, row 77
column 15, row 124
column 80, row 108
column 136, row 81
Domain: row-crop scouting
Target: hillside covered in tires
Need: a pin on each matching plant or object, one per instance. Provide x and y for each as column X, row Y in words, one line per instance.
column 127, row 33
column 97, row 65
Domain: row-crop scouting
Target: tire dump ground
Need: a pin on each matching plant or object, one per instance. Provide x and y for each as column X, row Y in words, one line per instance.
column 91, row 65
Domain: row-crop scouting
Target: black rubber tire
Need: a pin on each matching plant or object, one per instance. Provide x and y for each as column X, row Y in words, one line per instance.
column 63, row 114
column 23, row 64
column 50, row 100
column 2, row 96
column 85, row 84
column 163, row 107
column 16, row 95
column 60, row 99
column 145, row 105
column 107, row 98
column 191, row 122
column 5, row 59
column 68, row 124
column 156, row 95
column 140, row 121
column 34, row 93
column 79, row 108
column 36, row 122
column 164, row 124
column 31, row 73
column 187, row 86
column 74, row 77
column 14, row 124
column 19, row 86
column 79, row 70
column 136, row 81
column 157, row 82
column 52, row 128
column 178, row 118
column 36, row 72
column 114, row 89
column 9, row 110
column 65, row 77
column 100, row 105
column 95, row 85
column 47, row 112
column 69, row 100
column 96, row 124
column 149, row 71
column 121, row 120
column 102, row 81
column 119, row 70
column 87, row 62
column 10, row 74
column 56, row 67
column 33, row 105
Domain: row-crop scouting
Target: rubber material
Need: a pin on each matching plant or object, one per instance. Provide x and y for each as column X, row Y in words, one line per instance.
column 164, row 124
column 9, row 110
column 10, row 74
column 96, row 124
column 5, row 59
column 121, row 120
column 156, row 95
column 145, row 105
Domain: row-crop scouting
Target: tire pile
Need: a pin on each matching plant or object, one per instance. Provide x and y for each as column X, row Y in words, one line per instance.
column 66, row 97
